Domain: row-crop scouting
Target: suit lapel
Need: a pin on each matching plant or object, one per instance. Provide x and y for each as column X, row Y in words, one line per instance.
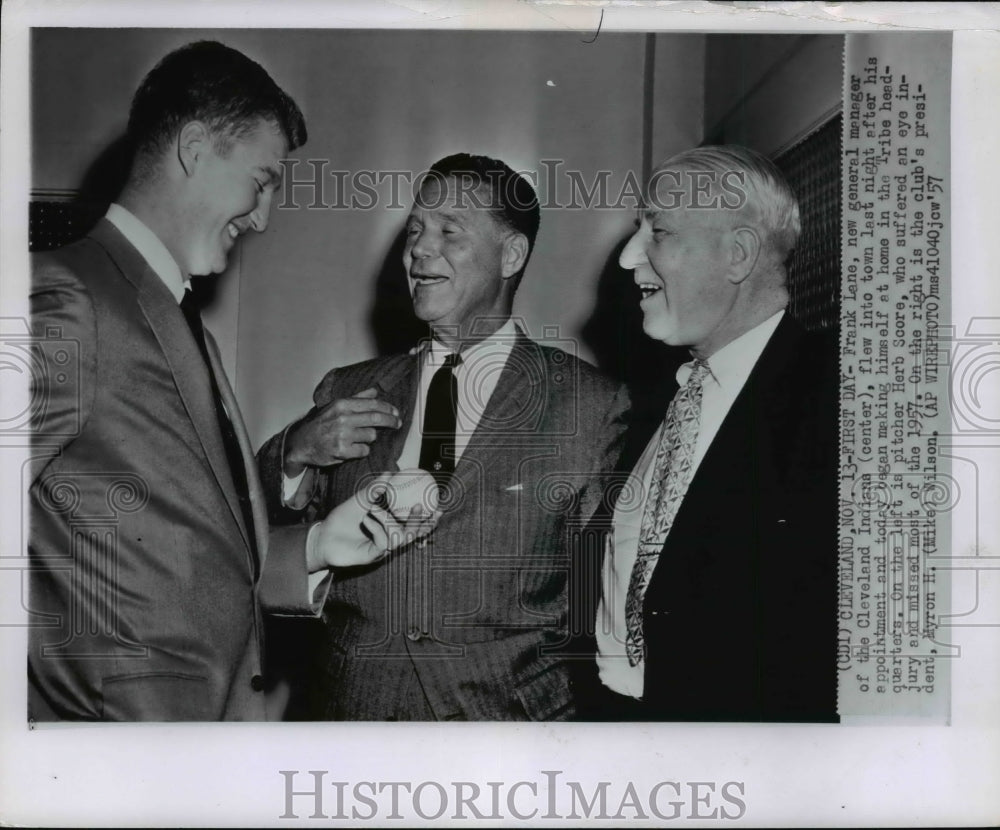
column 257, row 505
column 397, row 385
column 749, row 414
column 509, row 408
column 182, row 355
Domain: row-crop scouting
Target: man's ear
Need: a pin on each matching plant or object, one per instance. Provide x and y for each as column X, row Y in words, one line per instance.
column 192, row 143
column 515, row 254
column 744, row 253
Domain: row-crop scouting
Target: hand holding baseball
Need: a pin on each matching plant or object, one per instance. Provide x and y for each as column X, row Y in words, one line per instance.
column 394, row 510
column 404, row 508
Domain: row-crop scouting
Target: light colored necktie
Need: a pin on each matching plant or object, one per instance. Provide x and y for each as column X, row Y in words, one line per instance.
column 671, row 476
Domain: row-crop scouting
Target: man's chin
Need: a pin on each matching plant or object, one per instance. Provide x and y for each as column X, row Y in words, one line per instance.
column 426, row 313
column 659, row 329
column 216, row 268
column 207, row 269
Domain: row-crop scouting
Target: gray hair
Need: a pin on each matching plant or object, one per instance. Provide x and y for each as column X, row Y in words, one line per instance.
column 759, row 188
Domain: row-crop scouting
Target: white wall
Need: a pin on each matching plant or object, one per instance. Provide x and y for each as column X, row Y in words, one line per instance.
column 769, row 91
column 299, row 299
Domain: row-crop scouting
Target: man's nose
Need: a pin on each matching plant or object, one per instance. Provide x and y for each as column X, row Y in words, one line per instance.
column 421, row 245
column 634, row 253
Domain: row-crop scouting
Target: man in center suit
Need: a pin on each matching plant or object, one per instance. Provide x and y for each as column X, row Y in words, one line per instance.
column 148, row 543
column 469, row 625
column 719, row 576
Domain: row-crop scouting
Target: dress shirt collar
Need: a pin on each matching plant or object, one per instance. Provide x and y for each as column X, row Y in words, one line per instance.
column 502, row 340
column 731, row 365
column 151, row 249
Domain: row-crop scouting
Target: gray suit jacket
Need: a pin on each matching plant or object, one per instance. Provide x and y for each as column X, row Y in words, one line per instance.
column 468, row 625
column 145, row 593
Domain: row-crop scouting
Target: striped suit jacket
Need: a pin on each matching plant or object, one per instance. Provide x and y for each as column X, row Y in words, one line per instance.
column 468, row 625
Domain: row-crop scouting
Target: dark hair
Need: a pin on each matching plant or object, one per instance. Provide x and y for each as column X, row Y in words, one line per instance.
column 511, row 198
column 210, row 82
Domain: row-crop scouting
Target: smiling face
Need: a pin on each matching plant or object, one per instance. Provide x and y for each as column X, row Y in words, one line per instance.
column 682, row 260
column 459, row 260
column 230, row 194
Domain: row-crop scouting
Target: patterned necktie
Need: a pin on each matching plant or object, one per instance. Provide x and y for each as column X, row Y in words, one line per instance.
column 230, row 442
column 671, row 476
column 437, row 450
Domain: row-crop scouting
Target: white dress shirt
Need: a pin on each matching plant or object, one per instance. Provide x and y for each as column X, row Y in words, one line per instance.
column 729, row 369
column 475, row 377
column 155, row 253
column 150, row 248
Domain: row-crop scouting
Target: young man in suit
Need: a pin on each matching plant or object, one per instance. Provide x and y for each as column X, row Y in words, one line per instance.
column 148, row 540
column 719, row 575
column 467, row 625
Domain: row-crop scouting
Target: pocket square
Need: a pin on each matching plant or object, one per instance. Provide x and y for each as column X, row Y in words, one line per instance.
column 514, row 488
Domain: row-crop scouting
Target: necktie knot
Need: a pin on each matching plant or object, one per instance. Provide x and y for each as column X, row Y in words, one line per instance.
column 699, row 371
column 192, row 314
column 188, row 303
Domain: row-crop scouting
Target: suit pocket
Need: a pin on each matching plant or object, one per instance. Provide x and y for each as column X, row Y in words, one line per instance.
column 157, row 696
column 546, row 695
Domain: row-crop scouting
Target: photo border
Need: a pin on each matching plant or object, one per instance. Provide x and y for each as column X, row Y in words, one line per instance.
column 227, row 774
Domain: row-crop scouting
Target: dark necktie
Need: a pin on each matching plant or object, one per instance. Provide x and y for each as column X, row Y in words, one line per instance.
column 437, row 451
column 229, row 440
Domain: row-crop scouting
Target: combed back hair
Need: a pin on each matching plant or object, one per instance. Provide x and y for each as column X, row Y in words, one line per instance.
column 769, row 198
column 506, row 194
column 212, row 83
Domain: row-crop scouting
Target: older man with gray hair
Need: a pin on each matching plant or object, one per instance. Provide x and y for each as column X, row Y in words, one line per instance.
column 719, row 574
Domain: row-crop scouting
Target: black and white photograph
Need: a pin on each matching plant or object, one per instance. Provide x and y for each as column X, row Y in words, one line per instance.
column 619, row 388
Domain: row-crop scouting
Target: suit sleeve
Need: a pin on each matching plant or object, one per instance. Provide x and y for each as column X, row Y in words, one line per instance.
column 285, row 589
column 607, row 441
column 586, row 551
column 270, row 465
column 63, row 359
column 799, row 663
column 285, row 583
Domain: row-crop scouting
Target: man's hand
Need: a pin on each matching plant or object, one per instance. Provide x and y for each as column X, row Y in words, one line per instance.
column 404, row 508
column 395, row 510
column 341, row 430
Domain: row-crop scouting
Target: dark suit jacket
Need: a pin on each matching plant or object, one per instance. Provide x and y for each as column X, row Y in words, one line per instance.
column 144, row 600
column 740, row 613
column 474, row 612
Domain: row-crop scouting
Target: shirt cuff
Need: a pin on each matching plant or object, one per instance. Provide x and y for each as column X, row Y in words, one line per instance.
column 316, row 579
column 290, row 486
column 296, row 492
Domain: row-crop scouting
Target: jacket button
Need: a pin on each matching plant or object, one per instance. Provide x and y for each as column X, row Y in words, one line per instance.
column 257, row 683
column 413, row 634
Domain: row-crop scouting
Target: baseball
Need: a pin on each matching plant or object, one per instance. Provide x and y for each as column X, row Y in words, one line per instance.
column 403, row 490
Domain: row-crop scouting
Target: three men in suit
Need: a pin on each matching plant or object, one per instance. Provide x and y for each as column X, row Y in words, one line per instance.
column 148, row 541
column 719, row 573
column 469, row 623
